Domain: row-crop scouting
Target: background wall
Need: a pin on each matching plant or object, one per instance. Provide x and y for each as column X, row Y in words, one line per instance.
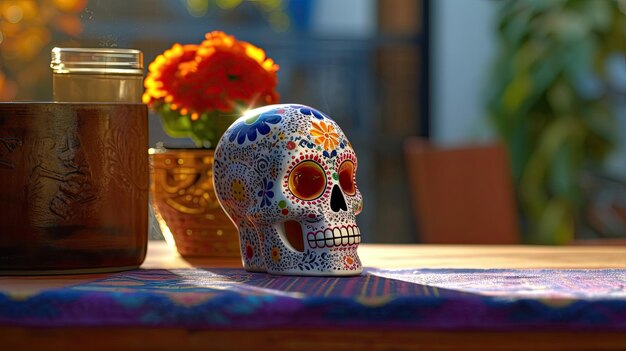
column 463, row 44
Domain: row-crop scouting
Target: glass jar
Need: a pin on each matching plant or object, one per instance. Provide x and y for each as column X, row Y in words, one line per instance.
column 97, row 75
column 77, row 182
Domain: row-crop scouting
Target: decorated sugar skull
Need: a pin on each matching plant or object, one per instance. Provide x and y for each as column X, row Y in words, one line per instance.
column 285, row 174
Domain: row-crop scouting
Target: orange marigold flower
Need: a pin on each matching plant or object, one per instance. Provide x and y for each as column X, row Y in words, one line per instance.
column 163, row 73
column 220, row 74
column 325, row 135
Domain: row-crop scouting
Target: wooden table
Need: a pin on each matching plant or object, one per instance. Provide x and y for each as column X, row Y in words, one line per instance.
column 380, row 256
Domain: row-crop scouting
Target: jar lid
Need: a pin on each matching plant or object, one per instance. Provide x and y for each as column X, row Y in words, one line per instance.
column 97, row 61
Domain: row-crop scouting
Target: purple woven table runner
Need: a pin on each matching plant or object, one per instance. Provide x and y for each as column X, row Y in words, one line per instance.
column 432, row 299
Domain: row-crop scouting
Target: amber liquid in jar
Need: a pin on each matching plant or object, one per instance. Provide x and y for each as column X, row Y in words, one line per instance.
column 87, row 204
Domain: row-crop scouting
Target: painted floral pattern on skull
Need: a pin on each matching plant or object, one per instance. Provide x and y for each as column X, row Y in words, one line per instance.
column 286, row 176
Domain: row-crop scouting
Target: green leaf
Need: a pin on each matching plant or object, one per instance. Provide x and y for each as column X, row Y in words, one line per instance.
column 599, row 13
column 563, row 171
column 556, row 224
column 552, row 130
column 561, row 97
column 205, row 132
column 516, row 92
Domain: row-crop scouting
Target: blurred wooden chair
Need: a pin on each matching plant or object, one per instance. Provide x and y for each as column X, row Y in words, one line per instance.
column 462, row 195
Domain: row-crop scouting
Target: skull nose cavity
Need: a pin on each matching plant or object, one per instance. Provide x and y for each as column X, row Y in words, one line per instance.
column 337, row 201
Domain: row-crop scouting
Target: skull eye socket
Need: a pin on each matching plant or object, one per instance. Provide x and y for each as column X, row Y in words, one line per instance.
column 307, row 180
column 346, row 177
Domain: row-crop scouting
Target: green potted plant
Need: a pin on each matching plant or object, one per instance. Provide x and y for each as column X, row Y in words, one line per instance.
column 198, row 91
column 541, row 104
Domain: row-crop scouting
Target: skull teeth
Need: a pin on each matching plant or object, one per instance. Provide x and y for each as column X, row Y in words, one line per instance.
column 328, row 234
column 344, row 236
column 335, row 237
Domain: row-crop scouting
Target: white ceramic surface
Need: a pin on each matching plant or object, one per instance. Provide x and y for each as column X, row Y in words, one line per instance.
column 285, row 174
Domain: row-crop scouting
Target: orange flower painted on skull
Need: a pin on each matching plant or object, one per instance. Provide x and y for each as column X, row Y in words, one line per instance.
column 349, row 263
column 276, row 254
column 220, row 74
column 325, row 135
